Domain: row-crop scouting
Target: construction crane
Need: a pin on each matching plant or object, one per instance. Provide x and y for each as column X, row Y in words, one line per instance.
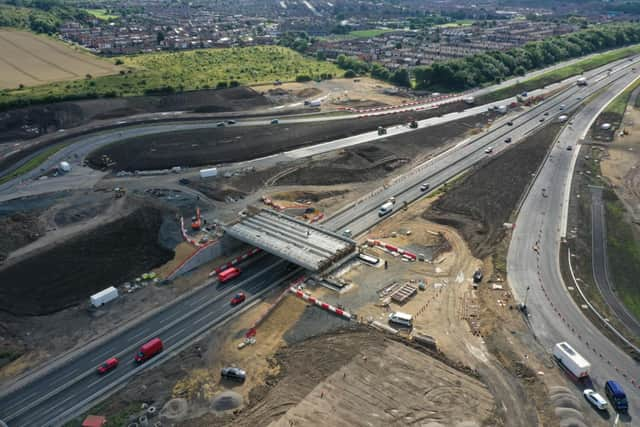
column 196, row 221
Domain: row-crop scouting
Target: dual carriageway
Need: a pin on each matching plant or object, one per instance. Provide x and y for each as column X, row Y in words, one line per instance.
column 69, row 385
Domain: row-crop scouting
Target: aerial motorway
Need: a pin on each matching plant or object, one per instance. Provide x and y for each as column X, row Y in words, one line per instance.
column 533, row 262
column 69, row 385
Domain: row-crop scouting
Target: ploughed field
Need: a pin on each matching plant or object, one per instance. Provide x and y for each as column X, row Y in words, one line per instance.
column 230, row 144
column 29, row 59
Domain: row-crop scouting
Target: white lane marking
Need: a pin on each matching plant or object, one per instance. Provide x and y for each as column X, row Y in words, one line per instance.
column 103, row 354
column 136, row 336
column 199, row 300
column 92, row 383
column 174, row 335
column 65, row 400
column 203, row 318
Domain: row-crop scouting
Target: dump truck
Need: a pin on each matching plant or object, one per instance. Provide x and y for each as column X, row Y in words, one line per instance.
column 382, row 130
column 571, row 361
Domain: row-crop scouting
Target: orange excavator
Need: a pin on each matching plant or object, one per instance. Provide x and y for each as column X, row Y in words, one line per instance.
column 196, row 221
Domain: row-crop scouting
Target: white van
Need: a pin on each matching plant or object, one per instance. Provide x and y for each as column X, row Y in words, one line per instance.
column 385, row 209
column 401, row 319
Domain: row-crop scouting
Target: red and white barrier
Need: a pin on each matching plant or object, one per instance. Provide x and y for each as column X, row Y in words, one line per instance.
column 235, row 261
column 186, row 237
column 393, row 249
column 317, row 218
column 253, row 330
column 305, row 296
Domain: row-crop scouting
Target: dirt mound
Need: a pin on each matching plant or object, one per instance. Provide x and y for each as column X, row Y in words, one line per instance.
column 606, row 135
column 67, row 274
column 365, row 364
column 483, row 201
column 308, row 92
column 226, row 401
column 303, row 196
column 18, row 230
column 341, row 169
column 231, row 144
column 25, row 123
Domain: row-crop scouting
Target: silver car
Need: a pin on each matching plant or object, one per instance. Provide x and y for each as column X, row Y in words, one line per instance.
column 595, row 399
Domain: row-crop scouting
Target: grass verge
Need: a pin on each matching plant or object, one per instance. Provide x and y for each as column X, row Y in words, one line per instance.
column 33, row 163
column 623, row 251
column 560, row 74
column 619, row 104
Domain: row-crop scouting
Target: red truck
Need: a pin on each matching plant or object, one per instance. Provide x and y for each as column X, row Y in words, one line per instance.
column 228, row 274
column 148, row 350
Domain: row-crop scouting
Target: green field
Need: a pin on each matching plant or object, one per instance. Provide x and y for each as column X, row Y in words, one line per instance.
column 178, row 71
column 561, row 73
column 358, row 34
column 458, row 23
column 101, row 14
column 623, row 253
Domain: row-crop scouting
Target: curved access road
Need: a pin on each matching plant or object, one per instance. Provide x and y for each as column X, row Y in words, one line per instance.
column 600, row 263
column 52, row 397
column 533, row 264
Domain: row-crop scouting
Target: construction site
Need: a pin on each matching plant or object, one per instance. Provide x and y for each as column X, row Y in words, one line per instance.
column 409, row 322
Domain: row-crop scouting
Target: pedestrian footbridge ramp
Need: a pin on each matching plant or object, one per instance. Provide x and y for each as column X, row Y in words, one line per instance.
column 303, row 244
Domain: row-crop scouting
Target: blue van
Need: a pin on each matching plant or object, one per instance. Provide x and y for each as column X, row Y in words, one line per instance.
column 616, row 396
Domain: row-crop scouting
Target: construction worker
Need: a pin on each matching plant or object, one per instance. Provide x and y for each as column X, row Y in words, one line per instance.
column 386, row 265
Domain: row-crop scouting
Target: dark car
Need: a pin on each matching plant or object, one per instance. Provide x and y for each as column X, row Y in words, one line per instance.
column 220, row 124
column 238, row 298
column 509, row 123
column 477, row 276
column 235, row 374
column 231, row 122
column 508, row 140
column 569, row 148
column 542, row 120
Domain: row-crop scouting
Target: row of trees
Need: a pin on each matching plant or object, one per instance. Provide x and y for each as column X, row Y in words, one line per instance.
column 39, row 16
column 354, row 66
column 494, row 66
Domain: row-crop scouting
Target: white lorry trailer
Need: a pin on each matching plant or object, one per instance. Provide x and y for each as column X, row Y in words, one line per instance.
column 207, row 173
column 571, row 361
column 104, row 296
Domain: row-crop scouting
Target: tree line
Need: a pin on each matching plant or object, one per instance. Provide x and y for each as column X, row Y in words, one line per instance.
column 494, row 66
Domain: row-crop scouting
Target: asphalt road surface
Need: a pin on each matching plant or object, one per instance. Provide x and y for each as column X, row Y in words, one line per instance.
column 72, row 386
column 534, row 270
column 600, row 263
column 53, row 397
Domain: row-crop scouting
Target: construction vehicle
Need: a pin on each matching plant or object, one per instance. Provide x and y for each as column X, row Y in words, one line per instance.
column 196, row 221
column 413, row 124
column 382, row 130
